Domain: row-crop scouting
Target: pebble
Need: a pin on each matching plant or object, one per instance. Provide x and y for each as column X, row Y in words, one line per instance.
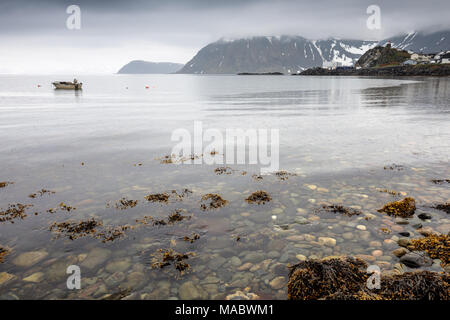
column 301, row 210
column 188, row 291
column 403, row 242
column 361, row 227
column 375, row 244
column 327, row 241
column 28, row 259
column 377, row 253
column 301, row 257
column 311, row 186
column 400, row 252
column 277, row 283
column 35, row 277
column 245, row 266
column 424, row 216
column 96, row 257
column 118, row 265
column 416, row 260
column 5, row 277
column 235, row 261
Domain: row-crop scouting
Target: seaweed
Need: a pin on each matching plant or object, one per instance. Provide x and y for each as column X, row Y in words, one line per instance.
column 158, row 197
column 163, row 258
column 124, row 204
column 437, row 247
column 41, row 193
column 174, row 217
column 65, row 207
column 74, row 230
column 215, row 201
column 394, row 167
column 257, row 177
column 4, row 184
column 391, row 192
column 3, row 253
column 112, row 233
column 346, row 279
column 443, row 207
column 283, row 175
column 195, row 236
column 440, row 181
column 14, row 211
column 340, row 209
column 403, row 208
column 259, row 197
column 223, row 170
column 184, row 193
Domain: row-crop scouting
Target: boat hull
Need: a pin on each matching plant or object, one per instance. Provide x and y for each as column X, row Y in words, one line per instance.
column 68, row 86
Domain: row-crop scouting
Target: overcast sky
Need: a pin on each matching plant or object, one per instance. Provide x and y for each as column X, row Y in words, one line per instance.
column 34, row 37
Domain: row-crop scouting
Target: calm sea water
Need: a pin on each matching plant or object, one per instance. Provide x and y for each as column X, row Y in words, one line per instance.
column 98, row 145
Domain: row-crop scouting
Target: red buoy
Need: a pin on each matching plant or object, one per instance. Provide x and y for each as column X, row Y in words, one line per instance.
column 146, row 87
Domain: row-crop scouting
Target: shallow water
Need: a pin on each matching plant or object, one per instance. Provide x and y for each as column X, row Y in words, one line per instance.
column 336, row 136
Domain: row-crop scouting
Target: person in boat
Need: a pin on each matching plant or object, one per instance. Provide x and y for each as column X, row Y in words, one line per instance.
column 75, row 81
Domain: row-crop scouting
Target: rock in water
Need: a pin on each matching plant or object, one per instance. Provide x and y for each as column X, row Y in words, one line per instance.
column 416, row 260
column 188, row 291
column 28, row 259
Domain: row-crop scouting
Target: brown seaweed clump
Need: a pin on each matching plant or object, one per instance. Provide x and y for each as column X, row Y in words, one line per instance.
column 440, row 181
column 124, row 204
column 403, row 208
column 65, row 207
column 158, row 197
column 74, row 230
column 184, row 193
column 223, row 170
column 163, row 258
column 215, row 201
column 437, row 247
column 4, row 184
column 195, row 236
column 283, row 175
column 14, row 211
column 41, row 193
column 259, row 197
column 346, row 279
column 341, row 210
column 174, row 217
column 443, row 207
column 3, row 253
column 112, row 233
column 394, row 167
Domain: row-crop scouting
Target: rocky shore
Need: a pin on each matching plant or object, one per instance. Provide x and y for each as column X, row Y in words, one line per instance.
column 433, row 70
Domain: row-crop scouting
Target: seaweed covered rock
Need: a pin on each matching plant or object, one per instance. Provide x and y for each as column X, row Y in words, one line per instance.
column 345, row 279
column 403, row 208
column 436, row 246
column 443, row 207
column 259, row 197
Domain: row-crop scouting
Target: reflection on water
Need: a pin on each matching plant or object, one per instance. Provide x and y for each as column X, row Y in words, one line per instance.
column 336, row 136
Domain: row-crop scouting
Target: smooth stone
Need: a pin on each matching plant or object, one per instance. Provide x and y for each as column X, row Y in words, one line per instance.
column 377, row 253
column 235, row 261
column 216, row 262
column 245, row 266
column 135, row 281
column 188, row 291
column 28, row 259
column 322, row 189
column 254, row 257
column 277, row 211
column 118, row 266
column 361, row 227
column 400, row 252
column 277, row 283
column 347, row 235
column 404, row 234
column 301, row 210
column 295, row 238
column 96, row 257
column 311, row 186
column 5, row 277
column 300, row 257
column 327, row 241
column 375, row 244
column 35, row 277
column 416, row 260
column 301, row 220
column 424, row 216
column 403, row 242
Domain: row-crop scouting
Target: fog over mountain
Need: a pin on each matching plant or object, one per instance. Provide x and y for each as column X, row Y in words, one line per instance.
column 34, row 37
column 293, row 54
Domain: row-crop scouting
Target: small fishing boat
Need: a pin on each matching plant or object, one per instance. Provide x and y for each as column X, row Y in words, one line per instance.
column 74, row 85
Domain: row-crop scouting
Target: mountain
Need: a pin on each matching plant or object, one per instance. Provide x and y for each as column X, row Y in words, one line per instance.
column 293, row 54
column 380, row 56
column 287, row 54
column 142, row 67
column 421, row 42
